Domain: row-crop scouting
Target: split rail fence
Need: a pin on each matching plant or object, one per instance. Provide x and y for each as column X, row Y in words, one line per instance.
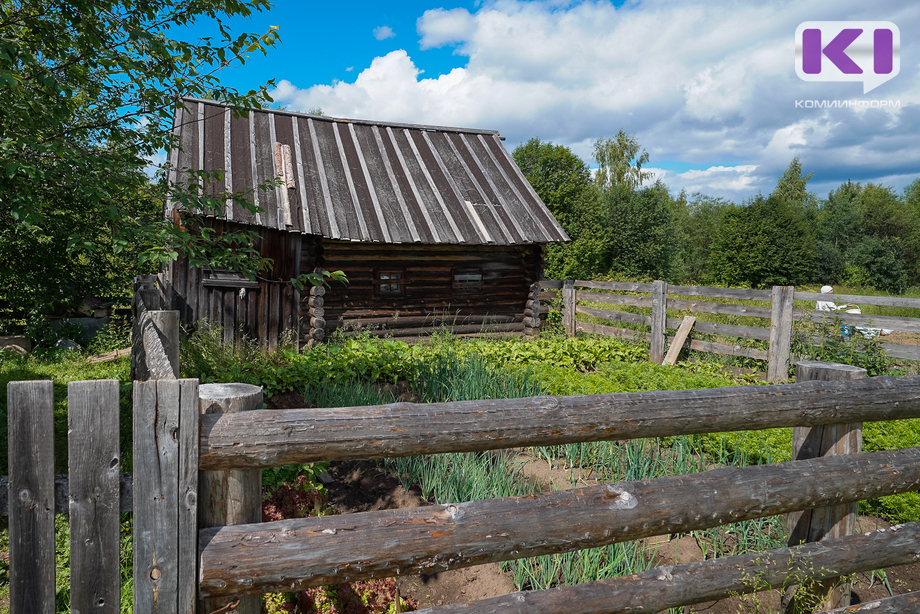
column 660, row 296
column 178, row 560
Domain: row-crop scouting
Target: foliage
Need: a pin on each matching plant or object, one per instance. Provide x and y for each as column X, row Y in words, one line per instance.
column 301, row 499
column 765, row 243
column 639, row 231
column 115, row 335
column 830, row 344
column 558, row 176
column 620, row 160
column 82, row 117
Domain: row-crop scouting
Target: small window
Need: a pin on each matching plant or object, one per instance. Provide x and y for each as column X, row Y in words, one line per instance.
column 467, row 280
column 390, row 282
column 229, row 279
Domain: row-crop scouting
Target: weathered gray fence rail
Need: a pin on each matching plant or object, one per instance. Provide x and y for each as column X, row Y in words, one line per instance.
column 281, row 437
column 173, row 442
column 662, row 588
column 780, row 315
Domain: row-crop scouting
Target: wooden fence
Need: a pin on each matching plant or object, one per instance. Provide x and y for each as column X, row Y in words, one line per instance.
column 174, row 441
column 658, row 296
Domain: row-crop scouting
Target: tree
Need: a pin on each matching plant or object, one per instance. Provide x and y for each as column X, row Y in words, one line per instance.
column 557, row 175
column 641, row 228
column 767, row 242
column 620, row 161
column 89, row 89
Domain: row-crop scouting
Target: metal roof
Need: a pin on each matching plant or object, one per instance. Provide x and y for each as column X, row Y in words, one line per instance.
column 362, row 180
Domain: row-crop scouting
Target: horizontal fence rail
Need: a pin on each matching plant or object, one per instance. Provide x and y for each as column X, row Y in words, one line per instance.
column 293, row 554
column 268, row 438
column 780, row 314
column 679, row 585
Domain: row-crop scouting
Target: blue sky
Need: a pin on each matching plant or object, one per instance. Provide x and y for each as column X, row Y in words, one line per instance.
column 708, row 87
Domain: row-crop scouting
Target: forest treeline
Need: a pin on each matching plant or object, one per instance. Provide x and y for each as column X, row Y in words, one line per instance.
column 624, row 226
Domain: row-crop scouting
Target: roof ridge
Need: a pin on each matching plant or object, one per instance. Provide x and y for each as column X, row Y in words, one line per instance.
column 360, row 122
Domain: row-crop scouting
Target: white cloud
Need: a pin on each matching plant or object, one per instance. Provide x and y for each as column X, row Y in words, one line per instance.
column 706, row 83
column 439, row 27
column 383, row 33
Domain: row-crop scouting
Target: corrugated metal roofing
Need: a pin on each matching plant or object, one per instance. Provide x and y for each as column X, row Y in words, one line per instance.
column 363, row 180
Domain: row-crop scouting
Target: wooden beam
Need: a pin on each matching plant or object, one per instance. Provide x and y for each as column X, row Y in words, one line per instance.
column 899, row 604
column 682, row 333
column 780, row 333
column 293, row 554
column 659, row 321
column 230, row 496
column 93, row 452
column 166, row 480
column 568, row 307
column 270, row 438
column 30, row 428
column 678, row 585
column 821, row 523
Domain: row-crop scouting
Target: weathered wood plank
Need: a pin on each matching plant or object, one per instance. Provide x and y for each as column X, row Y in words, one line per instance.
column 659, row 321
column 730, row 293
column 729, row 330
column 780, row 333
column 93, row 450
column 814, row 442
column 165, row 487
column 550, row 284
column 620, row 316
column 899, row 604
column 619, row 286
column 898, row 350
column 909, row 325
column 682, row 333
column 733, row 350
column 677, row 585
column 427, row 330
column 269, row 438
column 610, row 331
column 859, row 299
column 293, row 554
column 719, row 308
column 30, row 428
column 231, row 496
column 568, row 307
column 613, row 299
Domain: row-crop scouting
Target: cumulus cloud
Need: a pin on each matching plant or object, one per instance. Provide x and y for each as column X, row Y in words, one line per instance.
column 706, row 83
column 439, row 27
column 383, row 33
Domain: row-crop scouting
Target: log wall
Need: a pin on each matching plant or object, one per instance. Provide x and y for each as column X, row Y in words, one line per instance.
column 429, row 298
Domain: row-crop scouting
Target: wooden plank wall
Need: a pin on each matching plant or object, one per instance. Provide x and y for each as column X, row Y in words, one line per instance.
column 429, row 300
column 262, row 313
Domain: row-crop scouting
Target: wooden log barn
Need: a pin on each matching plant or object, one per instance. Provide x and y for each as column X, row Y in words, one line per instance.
column 435, row 227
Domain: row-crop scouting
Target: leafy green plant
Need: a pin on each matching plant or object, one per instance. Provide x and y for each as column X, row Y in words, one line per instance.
column 829, row 344
column 115, row 335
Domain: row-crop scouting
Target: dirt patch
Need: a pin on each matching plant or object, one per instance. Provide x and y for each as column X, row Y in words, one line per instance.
column 362, row 487
column 286, row 400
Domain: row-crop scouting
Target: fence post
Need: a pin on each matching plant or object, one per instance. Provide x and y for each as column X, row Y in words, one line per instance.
column 813, row 442
column 165, row 496
column 568, row 307
column 231, row 496
column 659, row 321
column 532, row 322
column 30, row 429
column 93, row 451
column 780, row 332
